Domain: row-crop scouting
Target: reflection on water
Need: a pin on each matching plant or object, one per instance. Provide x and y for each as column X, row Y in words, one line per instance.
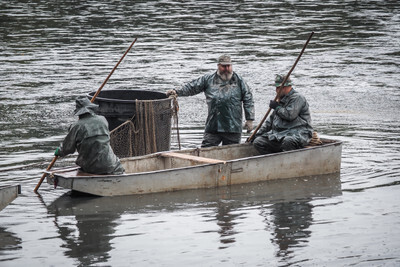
column 9, row 242
column 286, row 210
column 53, row 52
column 226, row 221
column 292, row 220
column 89, row 240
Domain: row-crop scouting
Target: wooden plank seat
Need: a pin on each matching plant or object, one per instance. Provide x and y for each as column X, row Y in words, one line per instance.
column 191, row 158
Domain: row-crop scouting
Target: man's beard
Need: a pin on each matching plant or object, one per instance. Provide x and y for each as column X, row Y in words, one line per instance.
column 225, row 76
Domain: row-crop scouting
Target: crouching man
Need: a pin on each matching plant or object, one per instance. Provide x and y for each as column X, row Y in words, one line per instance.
column 91, row 138
column 289, row 126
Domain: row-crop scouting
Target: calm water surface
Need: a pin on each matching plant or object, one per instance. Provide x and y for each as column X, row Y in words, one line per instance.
column 53, row 52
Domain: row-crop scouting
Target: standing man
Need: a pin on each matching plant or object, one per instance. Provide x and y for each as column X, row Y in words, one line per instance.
column 225, row 93
column 289, row 126
column 90, row 136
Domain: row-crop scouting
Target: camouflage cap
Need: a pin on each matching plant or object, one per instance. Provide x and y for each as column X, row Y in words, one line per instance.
column 279, row 79
column 224, row 60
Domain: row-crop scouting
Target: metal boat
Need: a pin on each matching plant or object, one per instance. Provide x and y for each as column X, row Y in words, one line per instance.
column 202, row 168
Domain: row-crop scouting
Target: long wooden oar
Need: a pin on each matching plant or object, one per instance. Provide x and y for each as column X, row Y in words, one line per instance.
column 92, row 100
column 251, row 138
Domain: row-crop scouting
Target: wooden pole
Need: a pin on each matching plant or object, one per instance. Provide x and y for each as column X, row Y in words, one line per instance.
column 92, row 100
column 44, row 174
column 251, row 138
column 109, row 75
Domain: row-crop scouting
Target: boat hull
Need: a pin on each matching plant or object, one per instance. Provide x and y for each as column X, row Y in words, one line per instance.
column 203, row 168
column 8, row 194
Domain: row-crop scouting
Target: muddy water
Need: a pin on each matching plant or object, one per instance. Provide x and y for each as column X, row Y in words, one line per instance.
column 52, row 53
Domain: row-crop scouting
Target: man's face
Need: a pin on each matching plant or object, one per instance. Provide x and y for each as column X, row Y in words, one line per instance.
column 225, row 71
column 284, row 91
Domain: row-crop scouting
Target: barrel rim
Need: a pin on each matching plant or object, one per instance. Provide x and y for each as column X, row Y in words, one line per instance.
column 114, row 100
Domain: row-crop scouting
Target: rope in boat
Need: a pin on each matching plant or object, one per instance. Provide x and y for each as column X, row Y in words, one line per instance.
column 315, row 141
column 175, row 115
column 145, row 118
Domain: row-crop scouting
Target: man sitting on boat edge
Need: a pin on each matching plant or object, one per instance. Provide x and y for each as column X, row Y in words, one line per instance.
column 289, row 126
column 91, row 138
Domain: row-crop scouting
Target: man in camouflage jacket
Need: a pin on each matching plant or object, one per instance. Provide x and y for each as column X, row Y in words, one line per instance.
column 289, row 126
column 90, row 137
column 225, row 93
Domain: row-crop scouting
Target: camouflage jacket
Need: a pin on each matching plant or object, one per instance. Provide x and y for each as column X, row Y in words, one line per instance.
column 292, row 117
column 90, row 137
column 224, row 100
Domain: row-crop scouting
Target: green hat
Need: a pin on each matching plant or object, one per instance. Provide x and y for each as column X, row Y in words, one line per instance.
column 83, row 105
column 225, row 60
column 279, row 79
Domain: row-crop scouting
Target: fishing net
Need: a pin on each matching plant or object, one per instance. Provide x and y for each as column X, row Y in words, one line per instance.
column 148, row 131
column 139, row 120
column 122, row 139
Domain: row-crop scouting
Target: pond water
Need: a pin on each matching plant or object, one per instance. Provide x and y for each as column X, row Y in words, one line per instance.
column 53, row 52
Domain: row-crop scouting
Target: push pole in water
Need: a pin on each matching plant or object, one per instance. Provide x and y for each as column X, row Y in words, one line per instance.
column 251, row 138
column 44, row 174
column 92, row 100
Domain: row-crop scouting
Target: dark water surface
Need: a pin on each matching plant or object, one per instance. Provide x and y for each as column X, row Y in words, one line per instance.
column 53, row 52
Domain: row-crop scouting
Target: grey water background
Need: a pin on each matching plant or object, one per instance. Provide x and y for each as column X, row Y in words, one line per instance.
column 52, row 52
